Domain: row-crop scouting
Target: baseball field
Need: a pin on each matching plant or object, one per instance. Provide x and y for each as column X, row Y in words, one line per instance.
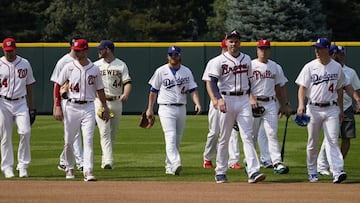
column 139, row 174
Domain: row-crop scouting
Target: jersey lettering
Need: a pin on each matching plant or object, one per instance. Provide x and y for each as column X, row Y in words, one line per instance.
column 117, row 84
column 242, row 68
column 22, row 73
column 3, row 82
column 258, row 76
column 74, row 88
column 91, row 79
column 169, row 83
column 317, row 79
column 111, row 72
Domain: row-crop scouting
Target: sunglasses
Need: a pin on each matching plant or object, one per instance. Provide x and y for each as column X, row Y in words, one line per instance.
column 174, row 54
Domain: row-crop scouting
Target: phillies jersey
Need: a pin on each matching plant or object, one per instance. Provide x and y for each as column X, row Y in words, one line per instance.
column 233, row 73
column 321, row 81
column 14, row 76
column 114, row 76
column 84, row 81
column 172, row 87
column 265, row 77
column 60, row 65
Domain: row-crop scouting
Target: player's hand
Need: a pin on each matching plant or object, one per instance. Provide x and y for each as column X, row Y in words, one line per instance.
column 300, row 110
column 57, row 113
column 285, row 110
column 214, row 103
column 198, row 108
column 149, row 115
column 341, row 117
column 222, row 105
column 124, row 98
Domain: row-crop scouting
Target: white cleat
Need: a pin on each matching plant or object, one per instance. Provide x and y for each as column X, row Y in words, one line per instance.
column 23, row 173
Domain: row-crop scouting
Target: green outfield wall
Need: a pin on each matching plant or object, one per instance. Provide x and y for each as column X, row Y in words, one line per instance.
column 143, row 58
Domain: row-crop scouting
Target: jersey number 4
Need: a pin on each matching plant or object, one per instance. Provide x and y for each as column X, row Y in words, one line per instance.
column 117, row 84
column 3, row 82
column 331, row 88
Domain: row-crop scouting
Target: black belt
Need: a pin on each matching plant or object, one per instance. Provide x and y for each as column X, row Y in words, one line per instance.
column 323, row 104
column 113, row 98
column 78, row 101
column 234, row 93
column 11, row 99
column 265, row 99
column 175, row 104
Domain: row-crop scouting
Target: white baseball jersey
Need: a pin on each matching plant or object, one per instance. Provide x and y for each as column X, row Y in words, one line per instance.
column 322, row 81
column 114, row 75
column 265, row 77
column 205, row 76
column 84, row 81
column 173, row 88
column 14, row 76
column 234, row 73
column 60, row 65
column 353, row 79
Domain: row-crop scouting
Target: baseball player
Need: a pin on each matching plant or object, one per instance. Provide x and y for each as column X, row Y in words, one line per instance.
column 79, row 112
column 321, row 81
column 214, row 128
column 268, row 86
column 230, row 75
column 78, row 152
column 116, row 78
column 171, row 83
column 265, row 159
column 347, row 128
column 16, row 99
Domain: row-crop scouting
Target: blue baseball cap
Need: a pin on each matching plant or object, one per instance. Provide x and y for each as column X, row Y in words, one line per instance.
column 174, row 50
column 322, row 43
column 232, row 33
column 106, row 44
column 336, row 49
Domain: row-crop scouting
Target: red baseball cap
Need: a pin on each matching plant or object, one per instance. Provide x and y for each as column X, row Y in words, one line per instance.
column 223, row 43
column 9, row 44
column 80, row 44
column 264, row 43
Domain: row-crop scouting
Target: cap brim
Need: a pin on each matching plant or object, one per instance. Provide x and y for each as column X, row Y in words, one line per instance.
column 9, row 48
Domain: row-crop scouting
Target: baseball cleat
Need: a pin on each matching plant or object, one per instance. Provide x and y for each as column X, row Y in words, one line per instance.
column 266, row 164
column 313, row 178
column 108, row 166
column 280, row 168
column 207, row 164
column 70, row 174
column 8, row 173
column 62, row 167
column 256, row 177
column 178, row 170
column 80, row 169
column 23, row 173
column 89, row 177
column 221, row 178
column 324, row 173
column 236, row 166
column 340, row 178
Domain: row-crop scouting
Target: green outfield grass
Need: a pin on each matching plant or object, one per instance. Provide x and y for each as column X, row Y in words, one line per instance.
column 139, row 153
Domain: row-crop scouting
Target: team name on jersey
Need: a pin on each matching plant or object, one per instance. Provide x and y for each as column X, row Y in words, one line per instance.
column 258, row 76
column 242, row 68
column 169, row 83
column 111, row 72
column 317, row 79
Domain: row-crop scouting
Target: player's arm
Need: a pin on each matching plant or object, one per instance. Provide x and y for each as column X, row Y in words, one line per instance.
column 102, row 98
column 215, row 91
column 29, row 97
column 152, row 97
column 57, row 112
column 340, row 101
column 283, row 97
column 354, row 94
column 211, row 95
column 301, row 99
column 195, row 97
column 127, row 89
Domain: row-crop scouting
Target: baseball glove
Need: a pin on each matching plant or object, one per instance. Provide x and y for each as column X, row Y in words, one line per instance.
column 236, row 127
column 302, row 120
column 32, row 114
column 64, row 89
column 144, row 122
column 258, row 111
column 100, row 113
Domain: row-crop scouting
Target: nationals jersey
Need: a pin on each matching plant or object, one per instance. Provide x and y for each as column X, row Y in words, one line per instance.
column 114, row 75
column 84, row 81
column 321, row 81
column 14, row 76
column 233, row 74
column 173, row 86
column 265, row 77
column 353, row 79
column 60, row 65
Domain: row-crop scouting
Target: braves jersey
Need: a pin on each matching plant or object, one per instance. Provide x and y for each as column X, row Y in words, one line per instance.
column 114, row 76
column 205, row 76
column 84, row 81
column 321, row 81
column 60, row 65
column 353, row 79
column 172, row 87
column 265, row 77
column 14, row 76
column 233, row 74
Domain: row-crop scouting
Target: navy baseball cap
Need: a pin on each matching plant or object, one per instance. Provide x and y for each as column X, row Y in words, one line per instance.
column 106, row 44
column 232, row 33
column 174, row 50
column 336, row 49
column 322, row 43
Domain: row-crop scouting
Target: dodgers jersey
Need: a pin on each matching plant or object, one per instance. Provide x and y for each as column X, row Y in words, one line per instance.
column 14, row 76
column 172, row 87
column 114, row 75
column 265, row 77
column 353, row 79
column 321, row 81
column 84, row 81
column 233, row 73
column 60, row 65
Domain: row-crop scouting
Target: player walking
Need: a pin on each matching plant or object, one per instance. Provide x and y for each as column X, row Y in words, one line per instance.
column 79, row 112
column 116, row 78
column 347, row 128
column 322, row 81
column 230, row 74
column 268, row 86
column 78, row 152
column 171, row 83
column 16, row 79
